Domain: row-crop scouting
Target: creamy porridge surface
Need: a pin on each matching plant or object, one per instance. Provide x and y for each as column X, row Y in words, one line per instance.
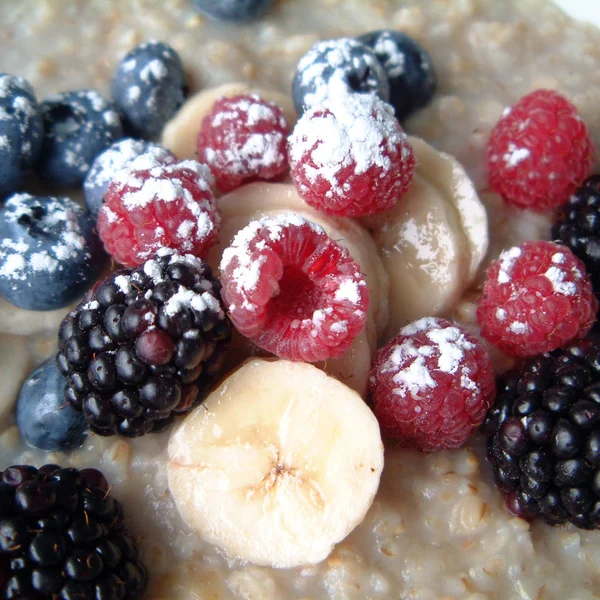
column 438, row 527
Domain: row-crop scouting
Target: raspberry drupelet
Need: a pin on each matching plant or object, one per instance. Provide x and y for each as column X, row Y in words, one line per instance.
column 431, row 385
column 539, row 152
column 292, row 290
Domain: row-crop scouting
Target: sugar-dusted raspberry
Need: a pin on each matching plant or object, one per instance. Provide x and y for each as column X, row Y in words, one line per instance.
column 537, row 297
column 293, row 290
column 350, row 156
column 431, row 385
column 243, row 139
column 539, row 152
column 157, row 202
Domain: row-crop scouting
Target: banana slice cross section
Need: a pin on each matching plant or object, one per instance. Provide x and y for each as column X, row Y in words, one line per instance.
column 279, row 464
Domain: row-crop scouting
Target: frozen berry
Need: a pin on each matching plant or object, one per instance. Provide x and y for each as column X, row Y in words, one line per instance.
column 536, row 297
column 539, row 152
column 77, row 127
column 350, row 157
column 293, row 290
column 235, row 11
column 148, row 87
column 243, row 139
column 346, row 60
column 431, row 385
column 156, row 203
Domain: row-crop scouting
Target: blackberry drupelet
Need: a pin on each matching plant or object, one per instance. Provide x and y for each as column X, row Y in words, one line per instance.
column 544, row 436
column 144, row 345
column 62, row 535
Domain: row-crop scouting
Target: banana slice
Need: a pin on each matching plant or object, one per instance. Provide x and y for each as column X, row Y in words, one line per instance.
column 180, row 133
column 433, row 241
column 279, row 464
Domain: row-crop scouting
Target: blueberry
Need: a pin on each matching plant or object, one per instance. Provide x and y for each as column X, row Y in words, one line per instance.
column 49, row 253
column 148, row 87
column 344, row 58
column 44, row 417
column 235, row 11
column 106, row 164
column 409, row 69
column 77, row 127
column 21, row 129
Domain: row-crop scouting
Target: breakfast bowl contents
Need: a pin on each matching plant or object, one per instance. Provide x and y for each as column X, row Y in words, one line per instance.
column 346, row 342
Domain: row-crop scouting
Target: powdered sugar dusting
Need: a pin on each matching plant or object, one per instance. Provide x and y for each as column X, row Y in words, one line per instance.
column 507, row 260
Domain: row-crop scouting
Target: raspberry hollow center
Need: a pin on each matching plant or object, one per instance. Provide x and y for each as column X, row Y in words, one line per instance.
column 298, row 296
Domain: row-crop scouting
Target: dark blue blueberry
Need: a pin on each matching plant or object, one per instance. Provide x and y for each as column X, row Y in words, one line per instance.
column 49, row 253
column 21, row 129
column 77, row 127
column 409, row 69
column 148, row 87
column 235, row 11
column 114, row 158
column 345, row 59
column 44, row 417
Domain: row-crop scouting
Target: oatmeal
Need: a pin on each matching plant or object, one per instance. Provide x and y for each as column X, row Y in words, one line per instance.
column 438, row 527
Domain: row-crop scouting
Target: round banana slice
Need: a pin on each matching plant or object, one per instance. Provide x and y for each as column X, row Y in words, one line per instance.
column 433, row 241
column 279, row 464
column 181, row 132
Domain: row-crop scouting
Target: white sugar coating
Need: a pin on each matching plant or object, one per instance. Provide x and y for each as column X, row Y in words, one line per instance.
column 156, row 69
column 4, row 144
column 348, row 291
column 558, row 258
column 519, row 327
column 395, row 59
column 186, row 298
column 501, row 314
column 507, row 260
column 559, row 284
column 15, row 93
column 349, row 129
column 123, row 283
column 515, row 155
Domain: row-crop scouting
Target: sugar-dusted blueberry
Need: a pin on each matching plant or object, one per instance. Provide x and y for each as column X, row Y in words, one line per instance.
column 409, row 69
column 330, row 60
column 49, row 252
column 148, row 87
column 234, row 11
column 77, row 127
column 21, row 129
column 43, row 416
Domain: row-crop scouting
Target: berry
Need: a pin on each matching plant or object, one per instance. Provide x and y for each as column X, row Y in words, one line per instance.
column 329, row 61
column 235, row 11
column 431, row 385
column 243, row 139
column 350, row 156
column 546, row 458
column 536, row 297
column 44, row 418
column 293, row 290
column 63, row 536
column 578, row 226
column 49, row 253
column 408, row 67
column 116, row 157
column 77, row 127
column 148, row 87
column 157, row 203
column 21, row 130
column 144, row 345
column 539, row 152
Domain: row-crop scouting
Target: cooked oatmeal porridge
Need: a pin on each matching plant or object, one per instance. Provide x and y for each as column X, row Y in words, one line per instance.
column 438, row 527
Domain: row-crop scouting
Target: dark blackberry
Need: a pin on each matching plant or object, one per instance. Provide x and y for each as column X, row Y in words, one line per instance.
column 62, row 535
column 144, row 345
column 544, row 436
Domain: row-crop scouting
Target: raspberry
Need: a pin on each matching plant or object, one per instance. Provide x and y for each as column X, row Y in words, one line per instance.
column 157, row 202
column 243, row 139
column 293, row 290
column 540, row 152
column 349, row 156
column 431, row 385
column 537, row 297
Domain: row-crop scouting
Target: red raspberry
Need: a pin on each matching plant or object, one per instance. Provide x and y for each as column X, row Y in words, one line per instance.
column 243, row 139
column 350, row 156
column 153, row 204
column 536, row 298
column 431, row 385
column 293, row 290
column 539, row 152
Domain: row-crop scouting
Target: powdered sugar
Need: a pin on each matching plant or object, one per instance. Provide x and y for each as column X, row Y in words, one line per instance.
column 515, row 155
column 395, row 59
column 507, row 260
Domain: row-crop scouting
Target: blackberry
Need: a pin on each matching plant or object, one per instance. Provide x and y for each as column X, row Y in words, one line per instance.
column 544, row 436
column 62, row 535
column 144, row 345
